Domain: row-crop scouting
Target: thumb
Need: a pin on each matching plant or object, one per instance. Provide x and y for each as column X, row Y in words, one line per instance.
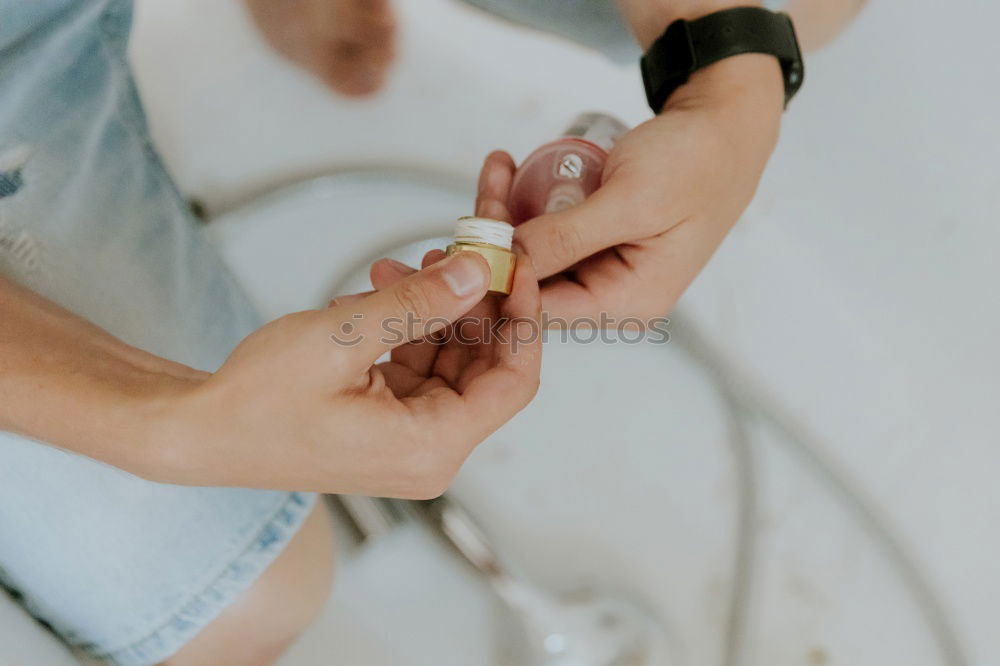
column 420, row 304
column 556, row 241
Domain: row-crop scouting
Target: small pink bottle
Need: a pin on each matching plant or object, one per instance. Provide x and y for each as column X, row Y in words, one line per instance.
column 566, row 171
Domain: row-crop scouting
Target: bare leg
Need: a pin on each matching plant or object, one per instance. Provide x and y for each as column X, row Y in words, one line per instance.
column 262, row 623
column 819, row 21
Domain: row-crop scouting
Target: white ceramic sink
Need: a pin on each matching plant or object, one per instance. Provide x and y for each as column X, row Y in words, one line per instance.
column 619, row 476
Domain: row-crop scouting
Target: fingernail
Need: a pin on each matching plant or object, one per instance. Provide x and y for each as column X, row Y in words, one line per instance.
column 462, row 274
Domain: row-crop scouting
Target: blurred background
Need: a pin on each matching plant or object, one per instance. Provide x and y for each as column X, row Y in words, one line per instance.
column 860, row 289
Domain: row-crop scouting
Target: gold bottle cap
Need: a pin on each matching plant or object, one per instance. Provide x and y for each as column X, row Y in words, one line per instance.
column 492, row 240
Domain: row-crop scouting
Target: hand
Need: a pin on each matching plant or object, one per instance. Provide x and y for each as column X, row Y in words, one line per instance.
column 672, row 189
column 294, row 409
column 349, row 44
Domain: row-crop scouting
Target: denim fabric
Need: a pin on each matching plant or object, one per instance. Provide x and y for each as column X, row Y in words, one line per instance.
column 127, row 569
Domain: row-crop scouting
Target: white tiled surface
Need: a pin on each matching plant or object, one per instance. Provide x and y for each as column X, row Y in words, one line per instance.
column 861, row 287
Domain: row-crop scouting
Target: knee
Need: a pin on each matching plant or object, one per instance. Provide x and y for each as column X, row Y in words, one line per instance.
column 257, row 628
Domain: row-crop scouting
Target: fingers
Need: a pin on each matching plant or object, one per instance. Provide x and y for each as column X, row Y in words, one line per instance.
column 419, row 304
column 418, row 357
column 500, row 392
column 347, row 299
column 495, row 180
column 454, row 423
column 642, row 280
column 386, row 272
column 432, row 257
column 559, row 240
column 400, row 379
column 453, row 420
column 568, row 303
column 523, row 306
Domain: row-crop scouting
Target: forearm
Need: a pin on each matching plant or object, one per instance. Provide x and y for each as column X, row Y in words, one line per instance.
column 69, row 383
column 649, row 18
column 816, row 21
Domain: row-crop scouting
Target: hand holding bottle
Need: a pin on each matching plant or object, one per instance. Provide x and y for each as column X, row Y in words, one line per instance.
column 671, row 189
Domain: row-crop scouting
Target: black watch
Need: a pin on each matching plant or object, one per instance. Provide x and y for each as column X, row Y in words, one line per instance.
column 688, row 46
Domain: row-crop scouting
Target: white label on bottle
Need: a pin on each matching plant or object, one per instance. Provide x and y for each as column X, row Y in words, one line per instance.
column 564, row 196
column 597, row 128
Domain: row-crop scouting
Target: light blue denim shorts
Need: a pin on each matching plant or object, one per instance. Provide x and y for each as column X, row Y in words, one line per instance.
column 126, row 569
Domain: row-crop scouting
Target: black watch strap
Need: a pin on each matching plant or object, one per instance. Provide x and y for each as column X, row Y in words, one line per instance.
column 688, row 46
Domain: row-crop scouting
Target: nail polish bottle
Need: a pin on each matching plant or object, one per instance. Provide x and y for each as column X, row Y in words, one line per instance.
column 492, row 240
column 566, row 171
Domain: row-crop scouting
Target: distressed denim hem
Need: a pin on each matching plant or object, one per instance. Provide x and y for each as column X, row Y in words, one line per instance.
column 269, row 541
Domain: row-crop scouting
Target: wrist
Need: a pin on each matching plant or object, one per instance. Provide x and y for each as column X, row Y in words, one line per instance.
column 752, row 80
column 743, row 96
column 164, row 422
column 749, row 78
